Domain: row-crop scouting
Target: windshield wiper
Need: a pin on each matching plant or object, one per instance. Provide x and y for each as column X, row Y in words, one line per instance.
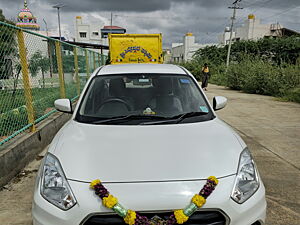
column 190, row 114
column 176, row 119
column 127, row 117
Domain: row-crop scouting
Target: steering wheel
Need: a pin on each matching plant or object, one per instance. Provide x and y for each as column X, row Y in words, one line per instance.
column 117, row 100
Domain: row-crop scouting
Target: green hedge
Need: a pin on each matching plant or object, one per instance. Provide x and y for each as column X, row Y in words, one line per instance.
column 254, row 76
column 260, row 77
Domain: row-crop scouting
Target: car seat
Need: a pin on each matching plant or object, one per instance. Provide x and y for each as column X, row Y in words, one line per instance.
column 165, row 101
column 117, row 103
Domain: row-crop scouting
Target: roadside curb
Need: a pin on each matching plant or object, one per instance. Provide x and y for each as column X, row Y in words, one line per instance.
column 15, row 155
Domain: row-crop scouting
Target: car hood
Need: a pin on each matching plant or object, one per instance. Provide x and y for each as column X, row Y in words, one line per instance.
column 121, row 153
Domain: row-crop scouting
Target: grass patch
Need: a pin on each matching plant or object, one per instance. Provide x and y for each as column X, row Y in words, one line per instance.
column 13, row 111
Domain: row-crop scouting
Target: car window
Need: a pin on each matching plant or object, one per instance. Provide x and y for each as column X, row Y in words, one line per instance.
column 153, row 95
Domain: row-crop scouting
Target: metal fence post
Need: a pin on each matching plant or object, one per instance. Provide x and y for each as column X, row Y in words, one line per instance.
column 60, row 70
column 87, row 65
column 102, row 59
column 26, row 82
column 76, row 71
column 99, row 59
column 94, row 56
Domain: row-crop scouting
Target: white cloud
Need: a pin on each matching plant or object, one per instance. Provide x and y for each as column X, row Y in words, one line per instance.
column 173, row 18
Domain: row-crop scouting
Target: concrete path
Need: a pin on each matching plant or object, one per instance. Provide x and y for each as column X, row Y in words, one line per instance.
column 16, row 197
column 274, row 124
column 270, row 128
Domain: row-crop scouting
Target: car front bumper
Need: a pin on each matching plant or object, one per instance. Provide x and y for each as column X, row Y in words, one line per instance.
column 154, row 196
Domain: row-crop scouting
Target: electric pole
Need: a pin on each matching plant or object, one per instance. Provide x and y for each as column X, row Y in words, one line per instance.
column 111, row 19
column 234, row 7
column 111, row 22
column 58, row 7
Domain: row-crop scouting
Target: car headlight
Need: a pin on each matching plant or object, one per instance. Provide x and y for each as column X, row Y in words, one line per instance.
column 54, row 185
column 247, row 181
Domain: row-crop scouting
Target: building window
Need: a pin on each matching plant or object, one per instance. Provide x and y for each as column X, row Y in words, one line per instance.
column 82, row 34
column 95, row 33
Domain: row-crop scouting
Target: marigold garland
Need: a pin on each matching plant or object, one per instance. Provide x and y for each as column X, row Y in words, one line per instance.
column 180, row 216
column 177, row 217
column 130, row 217
column 214, row 179
column 94, row 183
column 109, row 201
column 198, row 200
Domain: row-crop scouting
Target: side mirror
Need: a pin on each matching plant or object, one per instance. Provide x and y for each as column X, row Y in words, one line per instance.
column 219, row 102
column 63, row 105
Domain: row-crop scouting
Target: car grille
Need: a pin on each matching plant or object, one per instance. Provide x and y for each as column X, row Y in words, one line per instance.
column 199, row 218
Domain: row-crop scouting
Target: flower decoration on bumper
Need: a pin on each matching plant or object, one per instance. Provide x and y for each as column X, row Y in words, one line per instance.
column 133, row 218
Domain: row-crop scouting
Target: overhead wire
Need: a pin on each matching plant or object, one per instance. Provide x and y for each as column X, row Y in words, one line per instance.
column 256, row 6
column 283, row 12
column 262, row 4
column 249, row 6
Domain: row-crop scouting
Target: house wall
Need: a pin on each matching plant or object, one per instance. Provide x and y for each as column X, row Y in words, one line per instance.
column 182, row 52
column 89, row 29
column 252, row 29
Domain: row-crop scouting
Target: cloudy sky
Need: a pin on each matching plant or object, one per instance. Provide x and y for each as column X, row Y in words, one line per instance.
column 205, row 18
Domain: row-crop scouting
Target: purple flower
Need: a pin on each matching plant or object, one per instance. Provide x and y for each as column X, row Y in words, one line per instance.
column 171, row 220
column 207, row 189
column 141, row 220
column 101, row 191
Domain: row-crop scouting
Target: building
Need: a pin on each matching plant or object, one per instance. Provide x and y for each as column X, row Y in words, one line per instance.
column 26, row 20
column 182, row 52
column 89, row 33
column 95, row 33
column 112, row 30
column 225, row 37
column 37, row 51
column 167, row 55
column 253, row 29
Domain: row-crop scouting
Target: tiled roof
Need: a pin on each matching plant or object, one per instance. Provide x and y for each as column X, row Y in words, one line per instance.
column 113, row 27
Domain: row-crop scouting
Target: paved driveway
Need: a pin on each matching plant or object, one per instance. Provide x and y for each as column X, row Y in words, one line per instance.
column 271, row 129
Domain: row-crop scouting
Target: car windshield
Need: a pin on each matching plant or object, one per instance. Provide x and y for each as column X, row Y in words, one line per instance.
column 143, row 99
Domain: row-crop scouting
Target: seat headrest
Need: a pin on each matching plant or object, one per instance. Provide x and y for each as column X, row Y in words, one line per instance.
column 164, row 85
column 116, row 87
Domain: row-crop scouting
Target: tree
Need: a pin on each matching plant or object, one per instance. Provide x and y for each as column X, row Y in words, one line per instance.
column 38, row 63
column 8, row 48
column 280, row 51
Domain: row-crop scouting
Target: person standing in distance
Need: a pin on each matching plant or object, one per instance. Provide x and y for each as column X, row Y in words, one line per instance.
column 205, row 76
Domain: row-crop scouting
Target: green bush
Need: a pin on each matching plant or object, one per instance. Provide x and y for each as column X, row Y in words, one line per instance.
column 293, row 94
column 268, row 66
column 194, row 67
column 254, row 76
column 289, row 77
column 260, row 77
column 218, row 74
column 217, row 71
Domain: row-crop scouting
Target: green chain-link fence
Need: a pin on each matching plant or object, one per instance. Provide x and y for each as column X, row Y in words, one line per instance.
column 34, row 71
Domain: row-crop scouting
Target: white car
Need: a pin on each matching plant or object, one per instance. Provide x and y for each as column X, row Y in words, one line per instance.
column 148, row 132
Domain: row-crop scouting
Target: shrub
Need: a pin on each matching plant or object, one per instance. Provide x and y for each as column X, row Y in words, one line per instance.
column 254, row 76
column 194, row 67
column 267, row 66
column 218, row 74
column 293, row 95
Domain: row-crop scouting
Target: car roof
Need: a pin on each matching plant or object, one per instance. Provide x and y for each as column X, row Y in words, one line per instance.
column 141, row 68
